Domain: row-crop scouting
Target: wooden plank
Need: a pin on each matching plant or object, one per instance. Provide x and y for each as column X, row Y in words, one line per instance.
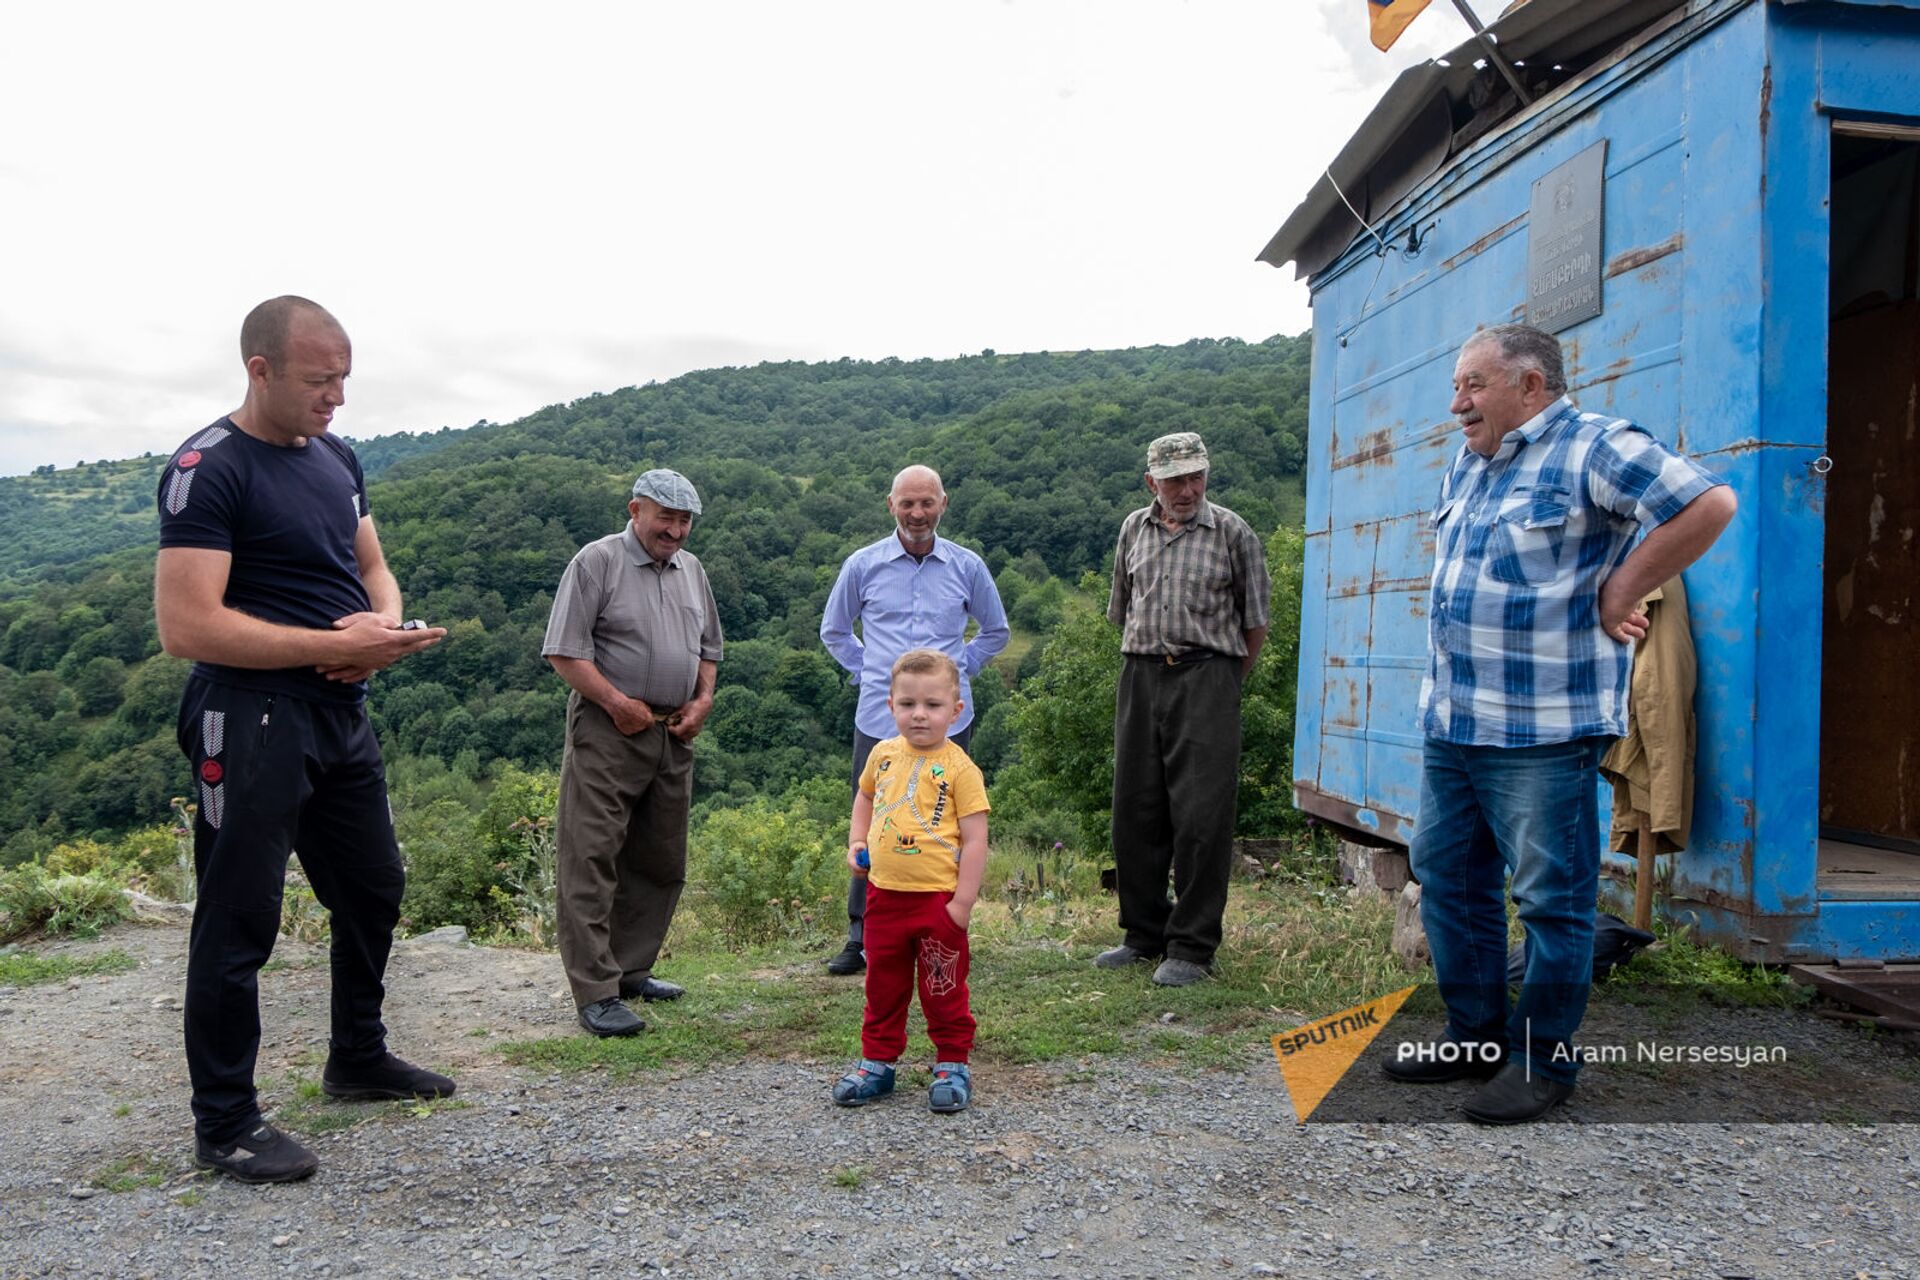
column 1855, row 872
column 1892, row 992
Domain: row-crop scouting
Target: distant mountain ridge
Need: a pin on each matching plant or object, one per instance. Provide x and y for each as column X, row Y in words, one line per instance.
column 1042, row 454
column 52, row 521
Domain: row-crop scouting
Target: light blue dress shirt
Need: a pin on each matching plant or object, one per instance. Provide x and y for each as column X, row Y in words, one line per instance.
column 901, row 604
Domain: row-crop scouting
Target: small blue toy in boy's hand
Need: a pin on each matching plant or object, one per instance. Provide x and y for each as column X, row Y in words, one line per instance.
column 861, row 858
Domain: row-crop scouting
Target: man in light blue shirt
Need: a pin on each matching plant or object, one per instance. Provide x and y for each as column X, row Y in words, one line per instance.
column 911, row 590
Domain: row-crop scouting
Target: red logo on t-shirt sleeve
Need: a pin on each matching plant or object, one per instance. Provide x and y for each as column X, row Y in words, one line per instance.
column 210, row 771
column 190, row 458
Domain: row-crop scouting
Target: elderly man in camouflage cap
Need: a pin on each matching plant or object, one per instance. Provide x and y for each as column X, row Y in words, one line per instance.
column 1190, row 592
column 635, row 633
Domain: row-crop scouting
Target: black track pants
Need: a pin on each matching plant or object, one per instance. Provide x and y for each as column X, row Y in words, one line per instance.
column 274, row 774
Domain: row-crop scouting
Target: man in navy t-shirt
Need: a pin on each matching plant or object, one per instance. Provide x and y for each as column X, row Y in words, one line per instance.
column 270, row 577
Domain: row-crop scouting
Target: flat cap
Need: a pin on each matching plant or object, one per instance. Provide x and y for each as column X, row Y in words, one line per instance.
column 1178, row 454
column 668, row 488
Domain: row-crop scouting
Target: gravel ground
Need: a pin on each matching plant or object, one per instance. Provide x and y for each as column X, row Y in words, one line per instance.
column 1109, row 1168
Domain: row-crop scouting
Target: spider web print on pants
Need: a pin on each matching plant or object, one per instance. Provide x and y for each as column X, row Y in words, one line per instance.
column 941, row 964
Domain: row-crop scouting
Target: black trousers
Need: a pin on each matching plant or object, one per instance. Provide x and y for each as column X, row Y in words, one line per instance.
column 1176, row 775
column 272, row 774
column 857, row 890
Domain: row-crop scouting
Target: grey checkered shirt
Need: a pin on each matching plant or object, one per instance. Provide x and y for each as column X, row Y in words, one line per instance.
column 1202, row 587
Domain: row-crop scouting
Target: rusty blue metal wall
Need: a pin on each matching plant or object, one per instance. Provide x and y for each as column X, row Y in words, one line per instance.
column 1713, row 337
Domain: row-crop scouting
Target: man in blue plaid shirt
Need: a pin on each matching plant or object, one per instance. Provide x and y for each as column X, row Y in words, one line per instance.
column 1539, row 571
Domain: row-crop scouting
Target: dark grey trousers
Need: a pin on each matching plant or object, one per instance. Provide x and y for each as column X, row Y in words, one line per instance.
column 1176, row 773
column 620, row 848
column 857, row 891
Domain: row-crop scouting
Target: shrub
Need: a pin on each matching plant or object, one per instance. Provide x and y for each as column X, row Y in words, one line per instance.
column 78, row 858
column 33, row 898
column 531, row 899
column 767, row 873
column 452, row 877
column 518, row 797
column 157, row 860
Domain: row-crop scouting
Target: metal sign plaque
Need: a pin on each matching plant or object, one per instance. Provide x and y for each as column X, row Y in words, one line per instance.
column 1564, row 228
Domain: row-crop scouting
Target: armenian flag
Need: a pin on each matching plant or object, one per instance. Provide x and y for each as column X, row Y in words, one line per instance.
column 1390, row 17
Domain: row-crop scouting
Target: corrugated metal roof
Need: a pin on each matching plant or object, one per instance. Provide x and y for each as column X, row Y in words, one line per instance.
column 1410, row 133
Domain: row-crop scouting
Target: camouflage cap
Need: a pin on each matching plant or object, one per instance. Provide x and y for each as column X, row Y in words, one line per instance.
column 1179, row 454
column 668, row 488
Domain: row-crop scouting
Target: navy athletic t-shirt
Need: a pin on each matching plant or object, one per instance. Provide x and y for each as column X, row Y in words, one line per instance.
column 288, row 516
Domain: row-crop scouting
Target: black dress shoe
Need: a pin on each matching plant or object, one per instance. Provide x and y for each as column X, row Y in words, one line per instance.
column 1442, row 1060
column 1512, row 1098
column 651, row 989
column 850, row 959
column 611, row 1018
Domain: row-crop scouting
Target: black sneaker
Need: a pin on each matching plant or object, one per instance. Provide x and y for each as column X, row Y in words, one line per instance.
column 850, row 959
column 264, row 1155
column 390, row 1077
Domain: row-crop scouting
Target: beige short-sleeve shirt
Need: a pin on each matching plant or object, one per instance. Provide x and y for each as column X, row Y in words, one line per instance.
column 646, row 624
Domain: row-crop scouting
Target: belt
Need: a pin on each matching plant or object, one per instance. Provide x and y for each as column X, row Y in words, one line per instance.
column 1180, row 659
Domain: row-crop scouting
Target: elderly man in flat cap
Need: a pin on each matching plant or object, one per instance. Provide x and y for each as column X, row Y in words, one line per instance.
column 1190, row 590
column 635, row 633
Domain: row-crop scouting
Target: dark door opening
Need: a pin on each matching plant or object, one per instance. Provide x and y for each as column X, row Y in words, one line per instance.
column 1870, row 632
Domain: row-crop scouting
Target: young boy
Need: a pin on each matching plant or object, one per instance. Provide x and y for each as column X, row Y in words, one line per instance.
column 920, row 819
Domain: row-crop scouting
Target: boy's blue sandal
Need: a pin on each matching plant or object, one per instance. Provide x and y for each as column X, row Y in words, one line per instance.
column 952, row 1088
column 868, row 1080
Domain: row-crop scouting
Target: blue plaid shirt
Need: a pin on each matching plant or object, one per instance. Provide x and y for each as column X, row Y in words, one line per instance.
column 1523, row 541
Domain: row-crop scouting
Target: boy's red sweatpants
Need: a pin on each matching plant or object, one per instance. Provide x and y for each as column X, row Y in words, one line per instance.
column 911, row 937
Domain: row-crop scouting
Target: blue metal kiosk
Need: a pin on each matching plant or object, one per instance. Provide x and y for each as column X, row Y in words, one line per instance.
column 1717, row 204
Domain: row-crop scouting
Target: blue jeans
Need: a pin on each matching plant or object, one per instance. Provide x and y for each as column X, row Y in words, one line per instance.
column 1531, row 813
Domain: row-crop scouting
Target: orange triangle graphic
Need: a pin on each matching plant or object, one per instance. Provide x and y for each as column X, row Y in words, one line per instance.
column 1312, row 1058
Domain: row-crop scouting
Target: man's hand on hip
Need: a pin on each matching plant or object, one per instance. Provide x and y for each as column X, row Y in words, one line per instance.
column 1623, row 619
column 688, row 721
column 630, row 715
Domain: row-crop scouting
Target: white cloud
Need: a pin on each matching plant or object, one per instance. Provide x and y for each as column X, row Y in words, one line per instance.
column 512, row 205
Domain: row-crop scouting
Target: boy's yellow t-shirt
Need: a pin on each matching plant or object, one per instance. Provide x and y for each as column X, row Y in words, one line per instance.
column 918, row 800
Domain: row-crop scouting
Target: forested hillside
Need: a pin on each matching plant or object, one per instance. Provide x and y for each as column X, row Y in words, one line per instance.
column 1042, row 455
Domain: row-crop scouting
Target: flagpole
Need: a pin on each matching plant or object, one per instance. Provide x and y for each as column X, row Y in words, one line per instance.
column 1493, row 53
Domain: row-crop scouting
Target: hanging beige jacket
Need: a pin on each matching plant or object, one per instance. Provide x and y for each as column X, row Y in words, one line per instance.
column 1652, row 767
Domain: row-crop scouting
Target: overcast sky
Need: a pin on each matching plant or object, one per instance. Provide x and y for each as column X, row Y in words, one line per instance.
column 510, row 205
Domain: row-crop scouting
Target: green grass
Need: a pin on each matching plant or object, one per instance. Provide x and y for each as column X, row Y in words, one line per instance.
column 1677, row 964
column 25, row 969
column 1018, row 642
column 852, row 1177
column 1290, row 954
column 130, row 1173
column 310, row 1112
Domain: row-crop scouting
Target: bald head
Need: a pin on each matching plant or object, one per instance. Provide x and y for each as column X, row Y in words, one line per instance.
column 266, row 330
column 917, row 502
column 917, row 476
